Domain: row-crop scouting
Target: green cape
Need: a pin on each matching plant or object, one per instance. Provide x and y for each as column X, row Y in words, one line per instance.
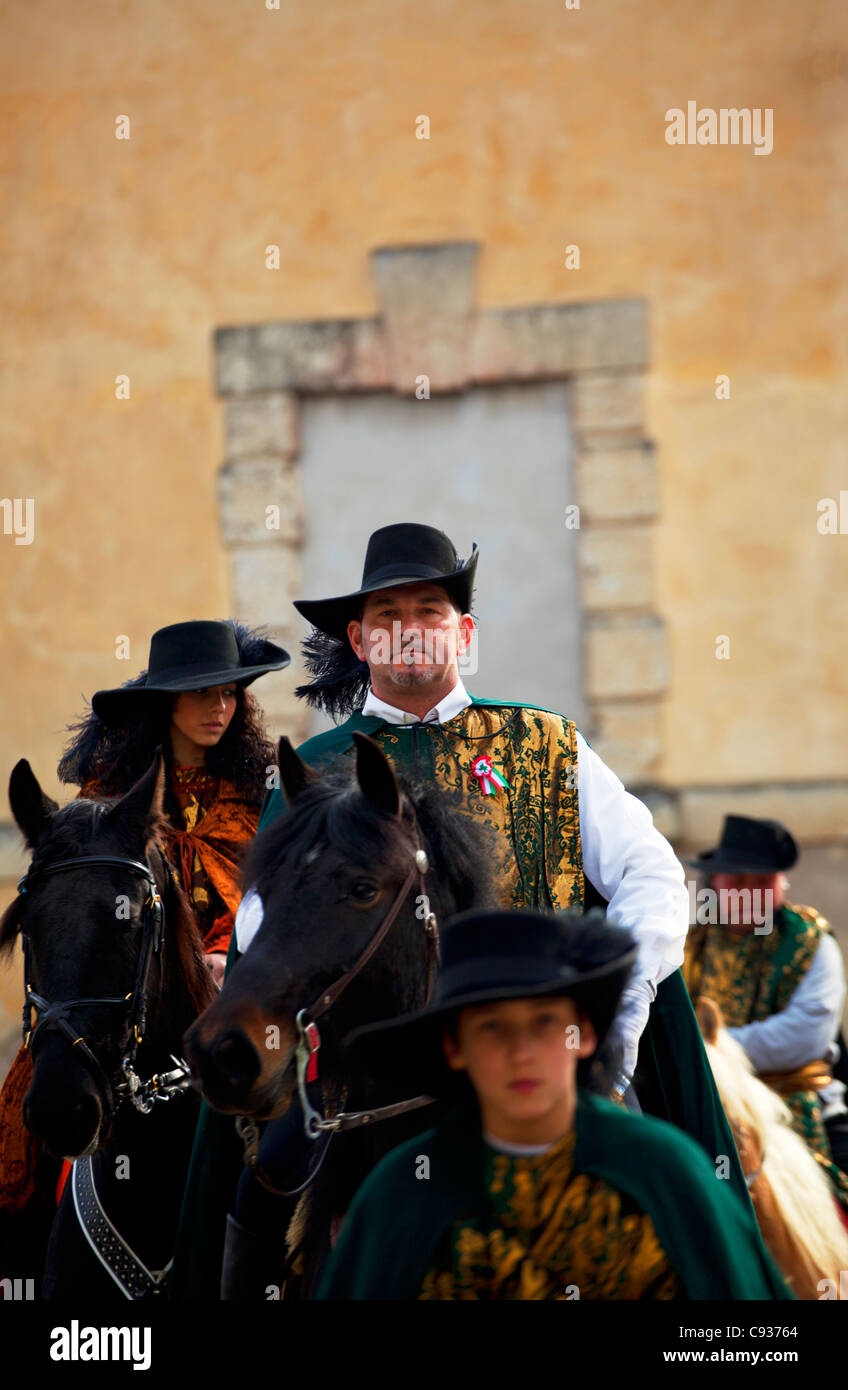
column 396, row 1220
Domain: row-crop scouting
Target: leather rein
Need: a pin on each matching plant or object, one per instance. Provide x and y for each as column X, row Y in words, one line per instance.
column 55, row 1015
column 309, row 1040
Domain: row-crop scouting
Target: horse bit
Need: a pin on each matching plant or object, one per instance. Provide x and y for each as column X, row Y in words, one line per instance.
column 164, row 1086
column 309, row 1038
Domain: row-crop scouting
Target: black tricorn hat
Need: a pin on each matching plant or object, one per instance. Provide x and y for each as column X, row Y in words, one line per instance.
column 749, row 846
column 404, row 553
column 491, row 956
column 189, row 656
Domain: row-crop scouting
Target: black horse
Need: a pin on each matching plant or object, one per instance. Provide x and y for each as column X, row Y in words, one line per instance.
column 114, row 976
column 340, row 876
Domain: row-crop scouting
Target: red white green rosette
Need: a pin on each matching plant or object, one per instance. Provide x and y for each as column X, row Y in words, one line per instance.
column 487, row 775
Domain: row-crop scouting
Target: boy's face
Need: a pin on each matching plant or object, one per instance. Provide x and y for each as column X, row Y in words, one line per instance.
column 521, row 1057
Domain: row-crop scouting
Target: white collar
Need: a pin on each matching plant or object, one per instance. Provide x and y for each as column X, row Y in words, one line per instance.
column 456, row 699
column 516, row 1150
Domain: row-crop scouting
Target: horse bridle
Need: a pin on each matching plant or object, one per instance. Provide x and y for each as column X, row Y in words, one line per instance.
column 309, row 1038
column 56, row 1015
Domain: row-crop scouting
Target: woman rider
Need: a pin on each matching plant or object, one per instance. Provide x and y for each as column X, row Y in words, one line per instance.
column 193, row 702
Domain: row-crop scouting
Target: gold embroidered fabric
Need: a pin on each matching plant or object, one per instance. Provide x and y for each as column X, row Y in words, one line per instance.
column 537, row 819
column 196, row 790
column 547, row 1233
column 752, row 977
column 217, row 824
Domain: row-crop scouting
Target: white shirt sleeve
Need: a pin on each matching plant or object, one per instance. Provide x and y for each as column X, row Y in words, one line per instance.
column 637, row 871
column 805, row 1029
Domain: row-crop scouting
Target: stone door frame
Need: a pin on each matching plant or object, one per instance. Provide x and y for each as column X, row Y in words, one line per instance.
column 428, row 326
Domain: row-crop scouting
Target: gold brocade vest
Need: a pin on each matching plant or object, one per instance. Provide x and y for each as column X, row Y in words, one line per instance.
column 538, row 860
column 752, row 977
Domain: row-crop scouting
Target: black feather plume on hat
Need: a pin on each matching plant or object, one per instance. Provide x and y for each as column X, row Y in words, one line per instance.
column 340, row 680
column 90, row 735
column 251, row 642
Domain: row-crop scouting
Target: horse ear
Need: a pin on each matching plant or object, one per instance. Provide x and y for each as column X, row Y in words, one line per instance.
column 31, row 808
column 140, row 811
column 295, row 774
column 375, row 775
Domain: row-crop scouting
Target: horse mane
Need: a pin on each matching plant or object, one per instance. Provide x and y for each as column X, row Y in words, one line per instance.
column 9, row 928
column 200, row 987
column 801, row 1191
column 461, row 844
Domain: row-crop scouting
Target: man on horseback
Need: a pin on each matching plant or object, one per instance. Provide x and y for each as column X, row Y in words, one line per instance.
column 385, row 659
column 777, row 977
column 387, row 656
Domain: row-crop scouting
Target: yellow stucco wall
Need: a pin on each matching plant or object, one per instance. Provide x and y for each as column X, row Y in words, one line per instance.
column 296, row 127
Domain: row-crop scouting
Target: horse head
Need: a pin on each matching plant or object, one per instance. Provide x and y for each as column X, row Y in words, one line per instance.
column 328, row 873
column 94, row 946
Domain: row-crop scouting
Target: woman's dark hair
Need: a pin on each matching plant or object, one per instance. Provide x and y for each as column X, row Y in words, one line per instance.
column 115, row 756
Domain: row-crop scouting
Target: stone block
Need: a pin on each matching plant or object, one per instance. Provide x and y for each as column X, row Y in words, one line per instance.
column 319, row 355
column 262, row 425
column 625, row 657
column 615, row 564
column 617, row 484
column 426, row 299
column 627, row 735
column 607, row 401
column 266, row 580
column 247, row 489
column 556, row 340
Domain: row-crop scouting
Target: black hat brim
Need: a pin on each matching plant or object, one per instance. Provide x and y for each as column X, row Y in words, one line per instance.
column 409, row 1052
column 116, row 706
column 332, row 615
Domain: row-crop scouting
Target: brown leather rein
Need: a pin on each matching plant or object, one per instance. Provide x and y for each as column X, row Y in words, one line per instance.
column 309, row 1039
